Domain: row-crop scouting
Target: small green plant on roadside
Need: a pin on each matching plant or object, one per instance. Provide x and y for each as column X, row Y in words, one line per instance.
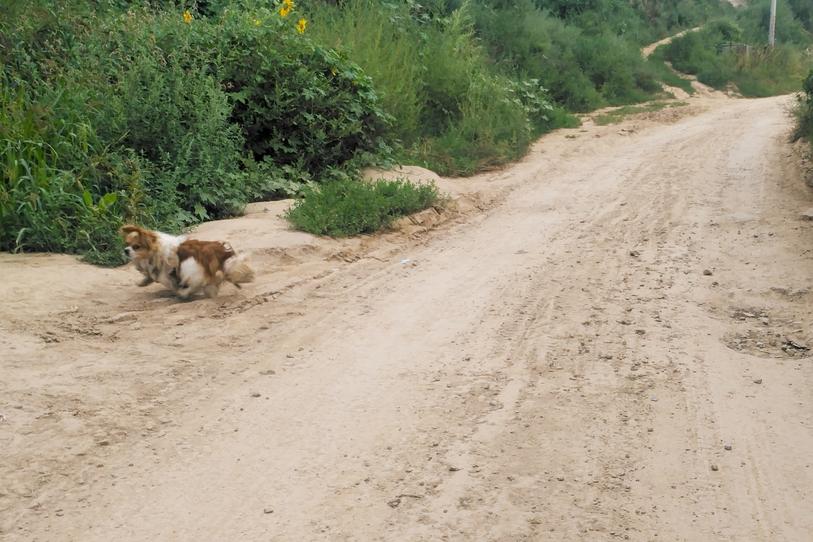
column 350, row 206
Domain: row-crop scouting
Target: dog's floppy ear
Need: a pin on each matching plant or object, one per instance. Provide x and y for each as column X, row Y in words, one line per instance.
column 145, row 237
column 127, row 229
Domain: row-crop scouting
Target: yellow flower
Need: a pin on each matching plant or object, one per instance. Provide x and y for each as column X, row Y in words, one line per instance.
column 301, row 25
column 287, row 7
column 257, row 22
column 187, row 17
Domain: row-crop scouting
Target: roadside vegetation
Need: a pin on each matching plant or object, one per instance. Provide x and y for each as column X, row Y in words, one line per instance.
column 348, row 207
column 734, row 51
column 169, row 113
column 804, row 112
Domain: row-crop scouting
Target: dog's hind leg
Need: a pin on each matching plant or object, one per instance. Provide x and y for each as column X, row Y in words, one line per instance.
column 184, row 291
column 211, row 290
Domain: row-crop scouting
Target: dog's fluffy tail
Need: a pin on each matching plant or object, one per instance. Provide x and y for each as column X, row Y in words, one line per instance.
column 238, row 270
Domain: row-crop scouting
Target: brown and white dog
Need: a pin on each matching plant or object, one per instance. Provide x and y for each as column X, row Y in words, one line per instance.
column 185, row 266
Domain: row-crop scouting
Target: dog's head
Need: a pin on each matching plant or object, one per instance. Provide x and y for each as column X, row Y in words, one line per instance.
column 140, row 243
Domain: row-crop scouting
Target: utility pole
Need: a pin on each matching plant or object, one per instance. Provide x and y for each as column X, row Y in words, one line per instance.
column 772, row 26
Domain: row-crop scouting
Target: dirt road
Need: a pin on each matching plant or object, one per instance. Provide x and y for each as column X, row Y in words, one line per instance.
column 611, row 348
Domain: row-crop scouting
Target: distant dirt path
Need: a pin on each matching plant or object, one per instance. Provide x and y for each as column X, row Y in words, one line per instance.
column 649, row 49
column 556, row 367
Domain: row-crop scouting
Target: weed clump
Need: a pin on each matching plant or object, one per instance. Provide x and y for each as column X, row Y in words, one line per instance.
column 349, row 206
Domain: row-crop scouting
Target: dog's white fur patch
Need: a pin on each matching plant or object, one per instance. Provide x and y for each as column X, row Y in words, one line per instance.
column 192, row 277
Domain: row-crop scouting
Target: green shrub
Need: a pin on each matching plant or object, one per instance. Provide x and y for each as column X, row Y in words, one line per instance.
column 349, row 206
column 498, row 119
column 390, row 47
column 453, row 111
column 804, row 111
column 583, row 69
column 55, row 189
column 755, row 16
column 299, row 103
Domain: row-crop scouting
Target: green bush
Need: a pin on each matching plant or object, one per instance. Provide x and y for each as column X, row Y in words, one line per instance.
column 754, row 19
column 390, row 47
column 299, row 103
column 639, row 21
column 582, row 69
column 453, row 111
column 57, row 177
column 350, row 207
column 804, row 111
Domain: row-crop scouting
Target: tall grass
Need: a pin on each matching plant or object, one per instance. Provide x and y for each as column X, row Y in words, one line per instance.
column 385, row 45
column 455, row 112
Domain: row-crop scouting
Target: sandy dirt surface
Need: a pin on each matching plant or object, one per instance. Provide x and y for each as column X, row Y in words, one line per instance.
column 605, row 341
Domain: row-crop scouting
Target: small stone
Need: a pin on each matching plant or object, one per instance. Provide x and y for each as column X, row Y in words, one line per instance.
column 454, row 469
column 757, row 381
column 806, row 215
column 707, row 272
column 268, row 372
column 268, row 510
column 634, row 253
column 560, row 478
column 103, row 443
column 714, row 467
column 727, row 447
column 796, row 344
column 255, row 394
